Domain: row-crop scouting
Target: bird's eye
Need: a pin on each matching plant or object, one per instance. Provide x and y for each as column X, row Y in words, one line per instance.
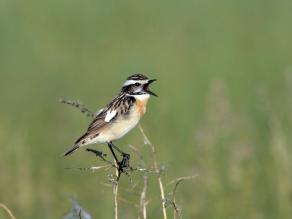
column 137, row 84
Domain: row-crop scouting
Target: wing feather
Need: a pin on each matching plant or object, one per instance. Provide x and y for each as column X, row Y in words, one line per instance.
column 106, row 116
column 110, row 115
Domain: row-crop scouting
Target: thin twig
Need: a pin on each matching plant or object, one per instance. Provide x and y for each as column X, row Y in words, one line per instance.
column 143, row 203
column 79, row 106
column 98, row 154
column 101, row 155
column 114, row 181
column 9, row 212
column 146, row 141
column 88, row 168
column 173, row 201
column 162, row 196
column 115, row 192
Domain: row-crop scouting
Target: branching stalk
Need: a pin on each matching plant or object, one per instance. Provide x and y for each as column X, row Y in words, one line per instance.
column 173, row 201
column 115, row 192
column 143, row 203
column 79, row 106
column 158, row 172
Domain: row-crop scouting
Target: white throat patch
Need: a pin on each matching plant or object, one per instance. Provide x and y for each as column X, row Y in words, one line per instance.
column 141, row 97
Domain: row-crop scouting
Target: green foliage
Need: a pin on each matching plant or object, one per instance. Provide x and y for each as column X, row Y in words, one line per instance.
column 224, row 109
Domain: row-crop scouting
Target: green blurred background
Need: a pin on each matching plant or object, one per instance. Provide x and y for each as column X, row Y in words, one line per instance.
column 224, row 111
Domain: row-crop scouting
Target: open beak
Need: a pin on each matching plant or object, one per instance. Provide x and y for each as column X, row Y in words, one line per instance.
column 147, row 87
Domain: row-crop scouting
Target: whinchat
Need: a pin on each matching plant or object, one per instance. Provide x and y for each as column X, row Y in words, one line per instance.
column 118, row 117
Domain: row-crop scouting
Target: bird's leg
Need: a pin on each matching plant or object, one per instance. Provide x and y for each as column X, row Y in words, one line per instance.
column 126, row 157
column 111, row 148
column 125, row 162
column 119, row 150
column 119, row 168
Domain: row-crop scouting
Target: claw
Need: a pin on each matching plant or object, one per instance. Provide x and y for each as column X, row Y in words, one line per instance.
column 125, row 162
column 123, row 165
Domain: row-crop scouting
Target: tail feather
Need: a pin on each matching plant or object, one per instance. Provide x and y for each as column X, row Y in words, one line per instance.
column 71, row 151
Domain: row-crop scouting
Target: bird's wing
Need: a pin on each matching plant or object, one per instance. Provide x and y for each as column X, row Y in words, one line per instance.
column 102, row 119
column 106, row 115
column 93, row 131
column 120, row 105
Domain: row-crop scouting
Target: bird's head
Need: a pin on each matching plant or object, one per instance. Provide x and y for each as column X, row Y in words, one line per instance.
column 138, row 84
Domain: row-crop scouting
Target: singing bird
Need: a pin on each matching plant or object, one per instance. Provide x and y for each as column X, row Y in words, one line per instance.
column 120, row 116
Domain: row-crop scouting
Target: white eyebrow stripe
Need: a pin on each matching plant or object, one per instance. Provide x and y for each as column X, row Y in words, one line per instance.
column 110, row 115
column 128, row 82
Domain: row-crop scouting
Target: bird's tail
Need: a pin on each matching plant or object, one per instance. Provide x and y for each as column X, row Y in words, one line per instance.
column 78, row 143
column 71, row 151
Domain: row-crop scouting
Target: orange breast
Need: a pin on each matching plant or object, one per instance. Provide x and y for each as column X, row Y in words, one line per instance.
column 141, row 106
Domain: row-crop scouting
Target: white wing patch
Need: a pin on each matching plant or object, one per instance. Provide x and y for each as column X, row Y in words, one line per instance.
column 110, row 115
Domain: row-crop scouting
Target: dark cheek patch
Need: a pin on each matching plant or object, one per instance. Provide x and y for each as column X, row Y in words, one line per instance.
column 127, row 88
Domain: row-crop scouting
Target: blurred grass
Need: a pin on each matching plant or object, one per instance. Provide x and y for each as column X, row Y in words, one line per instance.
column 224, row 107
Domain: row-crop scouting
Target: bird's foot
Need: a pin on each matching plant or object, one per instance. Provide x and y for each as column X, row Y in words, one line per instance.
column 125, row 162
column 124, row 165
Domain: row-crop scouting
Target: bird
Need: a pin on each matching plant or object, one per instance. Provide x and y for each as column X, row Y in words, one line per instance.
column 119, row 116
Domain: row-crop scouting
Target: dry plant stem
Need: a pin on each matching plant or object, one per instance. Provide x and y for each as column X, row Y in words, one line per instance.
column 114, row 182
column 177, row 182
column 162, row 196
column 79, row 106
column 158, row 173
column 143, row 203
column 88, row 168
column 7, row 210
column 115, row 192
